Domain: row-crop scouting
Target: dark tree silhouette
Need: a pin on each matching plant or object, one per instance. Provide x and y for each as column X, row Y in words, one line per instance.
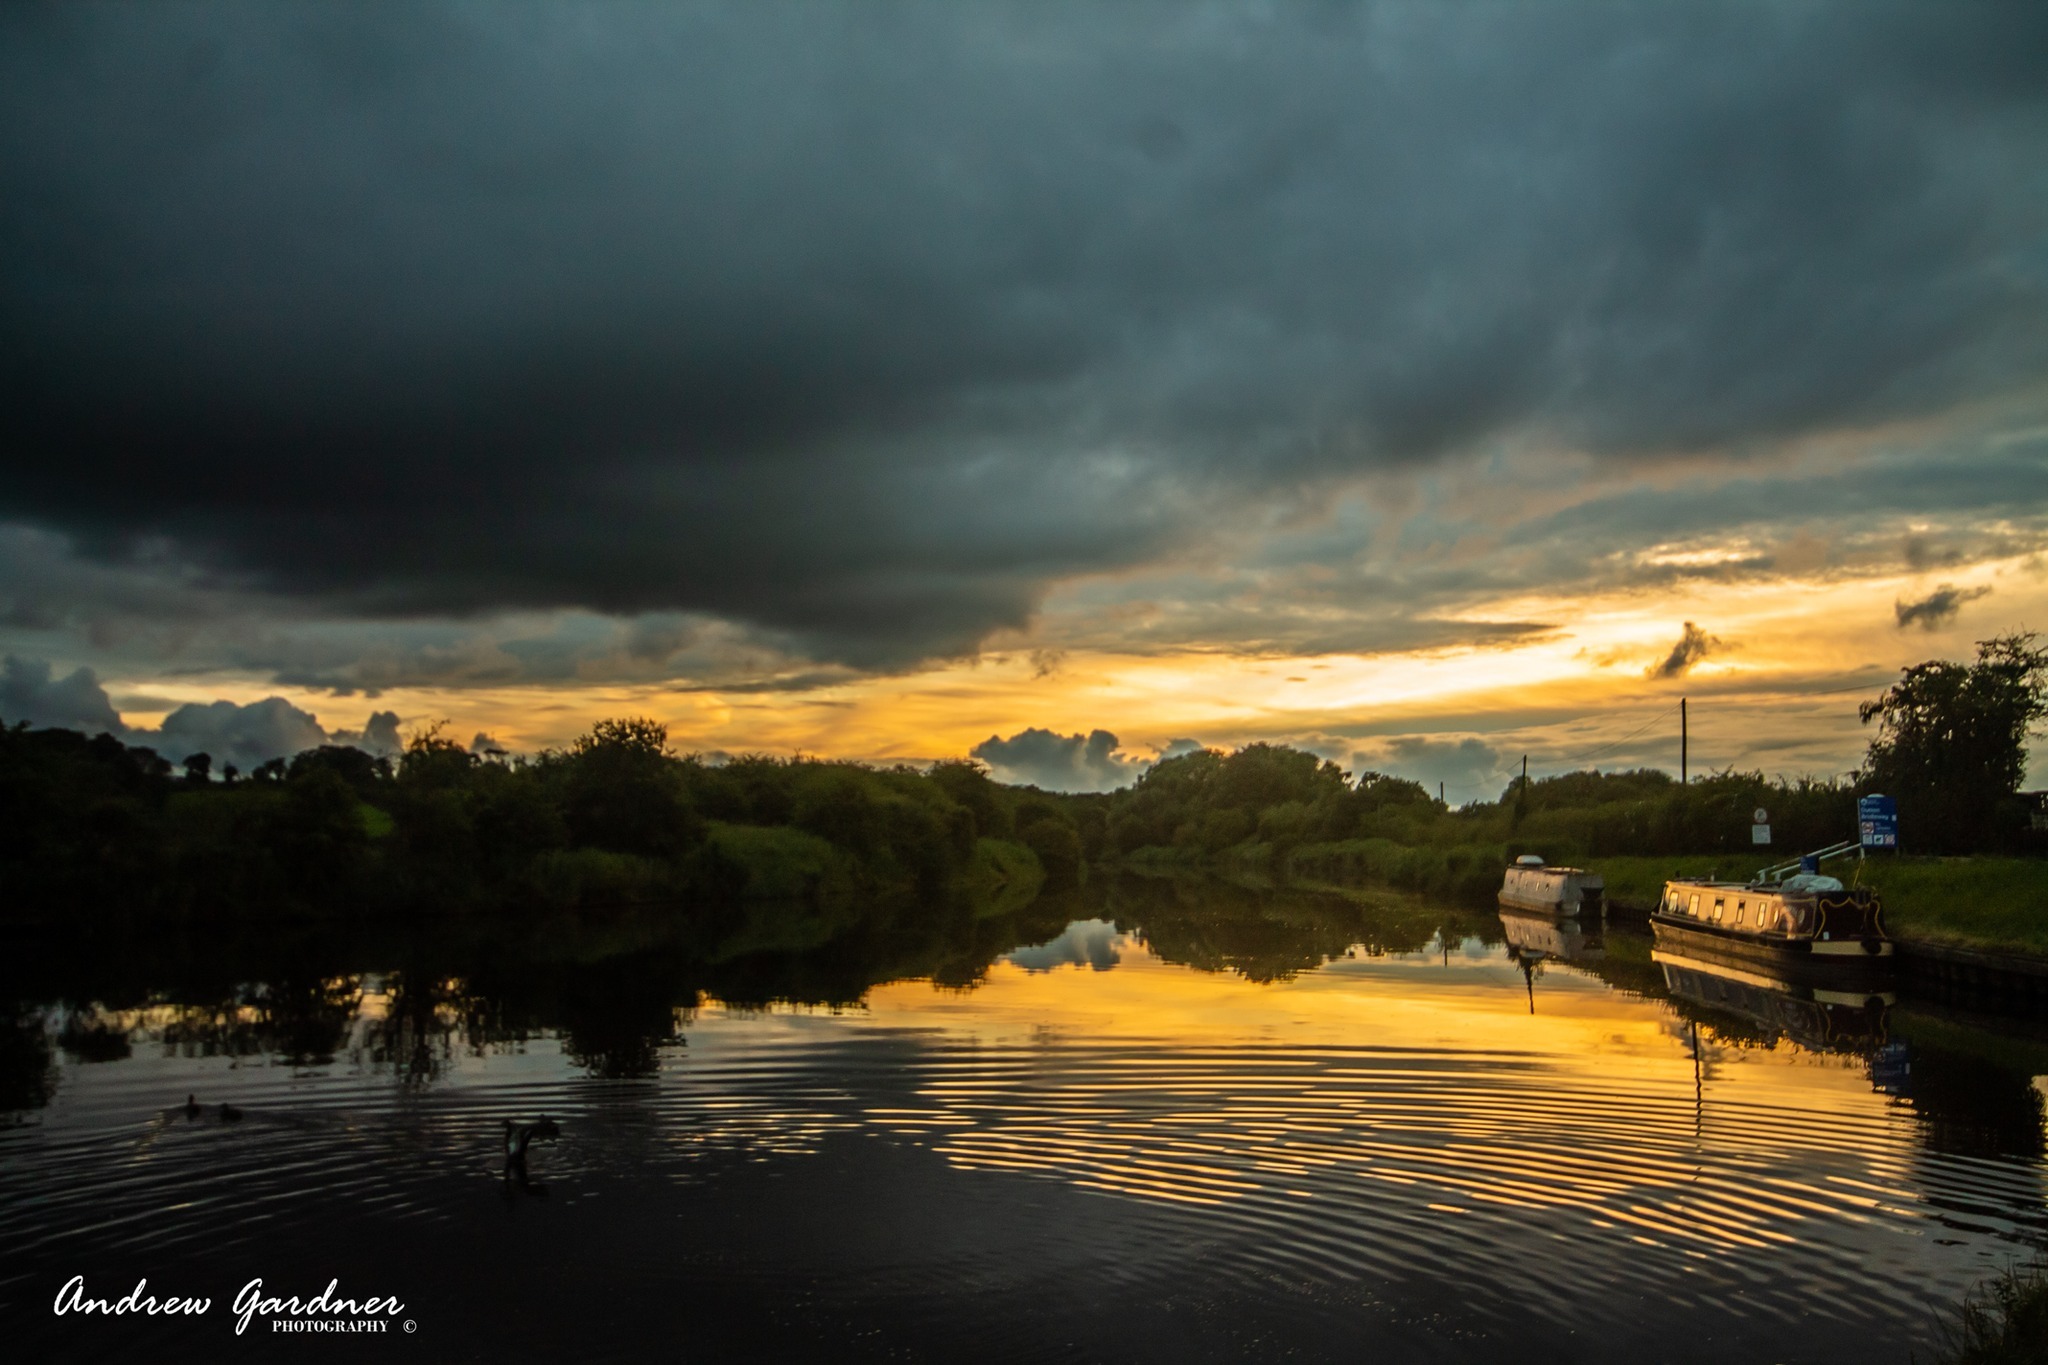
column 1951, row 744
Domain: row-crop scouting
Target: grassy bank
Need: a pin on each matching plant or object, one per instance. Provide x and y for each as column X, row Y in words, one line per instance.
column 1464, row 872
column 1467, row 874
column 1990, row 904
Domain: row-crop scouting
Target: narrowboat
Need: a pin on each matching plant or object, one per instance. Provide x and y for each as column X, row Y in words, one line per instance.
column 1532, row 885
column 1806, row 922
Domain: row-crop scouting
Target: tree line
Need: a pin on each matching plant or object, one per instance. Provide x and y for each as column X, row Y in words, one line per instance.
column 616, row 817
column 619, row 817
column 1949, row 745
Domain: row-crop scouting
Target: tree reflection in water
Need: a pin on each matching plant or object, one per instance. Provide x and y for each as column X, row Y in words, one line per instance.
column 1970, row 1087
column 28, row 1074
column 618, row 990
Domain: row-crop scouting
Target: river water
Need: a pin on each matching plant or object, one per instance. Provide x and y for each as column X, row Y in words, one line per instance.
column 1179, row 1123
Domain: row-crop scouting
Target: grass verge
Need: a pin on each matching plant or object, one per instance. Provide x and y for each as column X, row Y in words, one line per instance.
column 1989, row 904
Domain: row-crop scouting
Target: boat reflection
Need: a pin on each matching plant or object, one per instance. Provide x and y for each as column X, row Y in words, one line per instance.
column 1749, row 1004
column 1533, row 937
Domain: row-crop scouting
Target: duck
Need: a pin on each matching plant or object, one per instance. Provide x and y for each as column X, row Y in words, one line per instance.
column 519, row 1136
column 191, row 1107
column 230, row 1114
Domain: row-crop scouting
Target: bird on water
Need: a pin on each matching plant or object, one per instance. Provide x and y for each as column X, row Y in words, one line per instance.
column 520, row 1136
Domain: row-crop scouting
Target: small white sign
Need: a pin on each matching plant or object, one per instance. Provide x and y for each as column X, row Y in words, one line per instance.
column 1759, row 834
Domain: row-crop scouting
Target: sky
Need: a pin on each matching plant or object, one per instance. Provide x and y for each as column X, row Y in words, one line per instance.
column 1061, row 384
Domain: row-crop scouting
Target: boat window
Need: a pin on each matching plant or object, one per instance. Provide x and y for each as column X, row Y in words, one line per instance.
column 1692, row 906
column 1718, row 903
column 1741, row 911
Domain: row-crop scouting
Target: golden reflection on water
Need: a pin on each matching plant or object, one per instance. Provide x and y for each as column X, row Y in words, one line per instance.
column 1388, row 1118
column 1437, row 1118
column 1404, row 1098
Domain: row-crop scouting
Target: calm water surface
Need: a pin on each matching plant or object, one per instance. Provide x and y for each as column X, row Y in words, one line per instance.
column 1188, row 1125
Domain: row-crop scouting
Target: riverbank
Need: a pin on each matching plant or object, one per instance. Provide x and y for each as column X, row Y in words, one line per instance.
column 1977, row 905
column 1956, row 906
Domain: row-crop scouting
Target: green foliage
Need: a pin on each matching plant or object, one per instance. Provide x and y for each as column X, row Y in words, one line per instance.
column 602, row 878
column 1208, row 801
column 618, row 789
column 780, row 863
column 79, row 818
column 1207, row 804
column 1951, row 745
column 1003, row 878
column 967, row 784
column 1464, row 872
column 362, row 772
column 618, row 816
column 1057, row 846
column 434, row 762
column 615, row 818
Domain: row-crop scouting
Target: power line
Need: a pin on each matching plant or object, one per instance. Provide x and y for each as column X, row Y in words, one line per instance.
column 1616, row 744
column 1513, row 769
column 1567, row 760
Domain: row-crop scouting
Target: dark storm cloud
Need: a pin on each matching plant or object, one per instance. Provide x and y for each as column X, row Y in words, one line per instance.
column 860, row 325
column 1938, row 608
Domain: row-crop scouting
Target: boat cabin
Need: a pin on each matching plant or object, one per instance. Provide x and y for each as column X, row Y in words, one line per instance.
column 1808, row 915
column 1531, row 884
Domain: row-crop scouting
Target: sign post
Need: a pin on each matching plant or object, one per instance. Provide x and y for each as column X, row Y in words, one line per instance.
column 1877, row 822
column 1760, row 830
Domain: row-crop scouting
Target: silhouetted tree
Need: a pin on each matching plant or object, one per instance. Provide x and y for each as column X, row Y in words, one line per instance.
column 623, row 792
column 1951, row 744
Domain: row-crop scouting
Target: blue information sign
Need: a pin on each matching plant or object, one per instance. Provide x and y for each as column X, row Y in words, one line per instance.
column 1877, row 821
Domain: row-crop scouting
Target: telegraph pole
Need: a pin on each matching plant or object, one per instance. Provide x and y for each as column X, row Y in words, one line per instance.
column 1682, row 738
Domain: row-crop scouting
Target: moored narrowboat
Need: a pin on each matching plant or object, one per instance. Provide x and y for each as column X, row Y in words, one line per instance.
column 1530, row 884
column 1807, row 921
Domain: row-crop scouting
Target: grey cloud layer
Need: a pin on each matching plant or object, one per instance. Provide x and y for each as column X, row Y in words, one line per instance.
column 861, row 325
column 244, row 734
